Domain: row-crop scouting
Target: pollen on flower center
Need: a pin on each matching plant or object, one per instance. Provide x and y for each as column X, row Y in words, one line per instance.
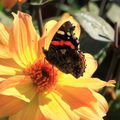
column 43, row 76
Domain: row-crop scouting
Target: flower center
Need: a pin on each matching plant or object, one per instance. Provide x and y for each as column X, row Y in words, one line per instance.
column 43, row 76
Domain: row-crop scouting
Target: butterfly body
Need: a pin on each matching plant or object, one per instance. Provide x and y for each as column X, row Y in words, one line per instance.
column 64, row 51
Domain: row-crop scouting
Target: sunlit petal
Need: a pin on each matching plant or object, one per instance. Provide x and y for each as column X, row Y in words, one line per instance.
column 91, row 65
column 30, row 112
column 56, row 108
column 31, row 38
column 19, row 87
column 87, row 114
column 101, row 101
column 24, row 38
column 93, row 83
column 76, row 97
column 81, row 97
column 49, row 26
column 4, row 70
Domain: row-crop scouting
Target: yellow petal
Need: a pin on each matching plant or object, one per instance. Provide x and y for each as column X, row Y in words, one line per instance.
column 10, row 105
column 91, row 65
column 54, row 108
column 55, row 26
column 4, row 35
column 87, row 114
column 23, row 39
column 19, row 87
column 93, row 83
column 101, row 101
column 15, row 93
column 49, row 26
column 4, row 70
column 30, row 112
column 32, row 37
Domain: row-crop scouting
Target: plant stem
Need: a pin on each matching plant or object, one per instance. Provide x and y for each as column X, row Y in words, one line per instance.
column 116, row 36
column 39, row 20
column 102, row 7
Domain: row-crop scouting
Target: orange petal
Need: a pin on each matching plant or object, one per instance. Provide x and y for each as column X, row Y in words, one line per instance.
column 54, row 108
column 18, row 86
column 91, row 65
column 50, row 32
column 10, row 63
column 81, row 97
column 23, row 39
column 76, row 97
column 41, row 55
column 10, row 105
column 93, row 83
column 30, row 112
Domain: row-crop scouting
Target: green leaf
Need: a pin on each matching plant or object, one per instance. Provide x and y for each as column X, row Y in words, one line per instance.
column 114, row 13
column 91, row 7
column 64, row 7
column 95, row 26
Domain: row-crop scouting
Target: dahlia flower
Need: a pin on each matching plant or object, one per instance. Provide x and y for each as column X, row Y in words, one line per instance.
column 32, row 89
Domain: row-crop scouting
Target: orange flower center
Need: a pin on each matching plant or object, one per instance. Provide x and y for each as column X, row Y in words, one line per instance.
column 43, row 76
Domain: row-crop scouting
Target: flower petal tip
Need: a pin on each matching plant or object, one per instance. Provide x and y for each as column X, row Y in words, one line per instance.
column 111, row 83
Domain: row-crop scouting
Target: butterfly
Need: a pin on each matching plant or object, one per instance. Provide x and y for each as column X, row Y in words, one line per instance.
column 64, row 51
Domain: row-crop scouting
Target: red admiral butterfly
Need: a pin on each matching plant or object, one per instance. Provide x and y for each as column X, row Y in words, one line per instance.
column 64, row 51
